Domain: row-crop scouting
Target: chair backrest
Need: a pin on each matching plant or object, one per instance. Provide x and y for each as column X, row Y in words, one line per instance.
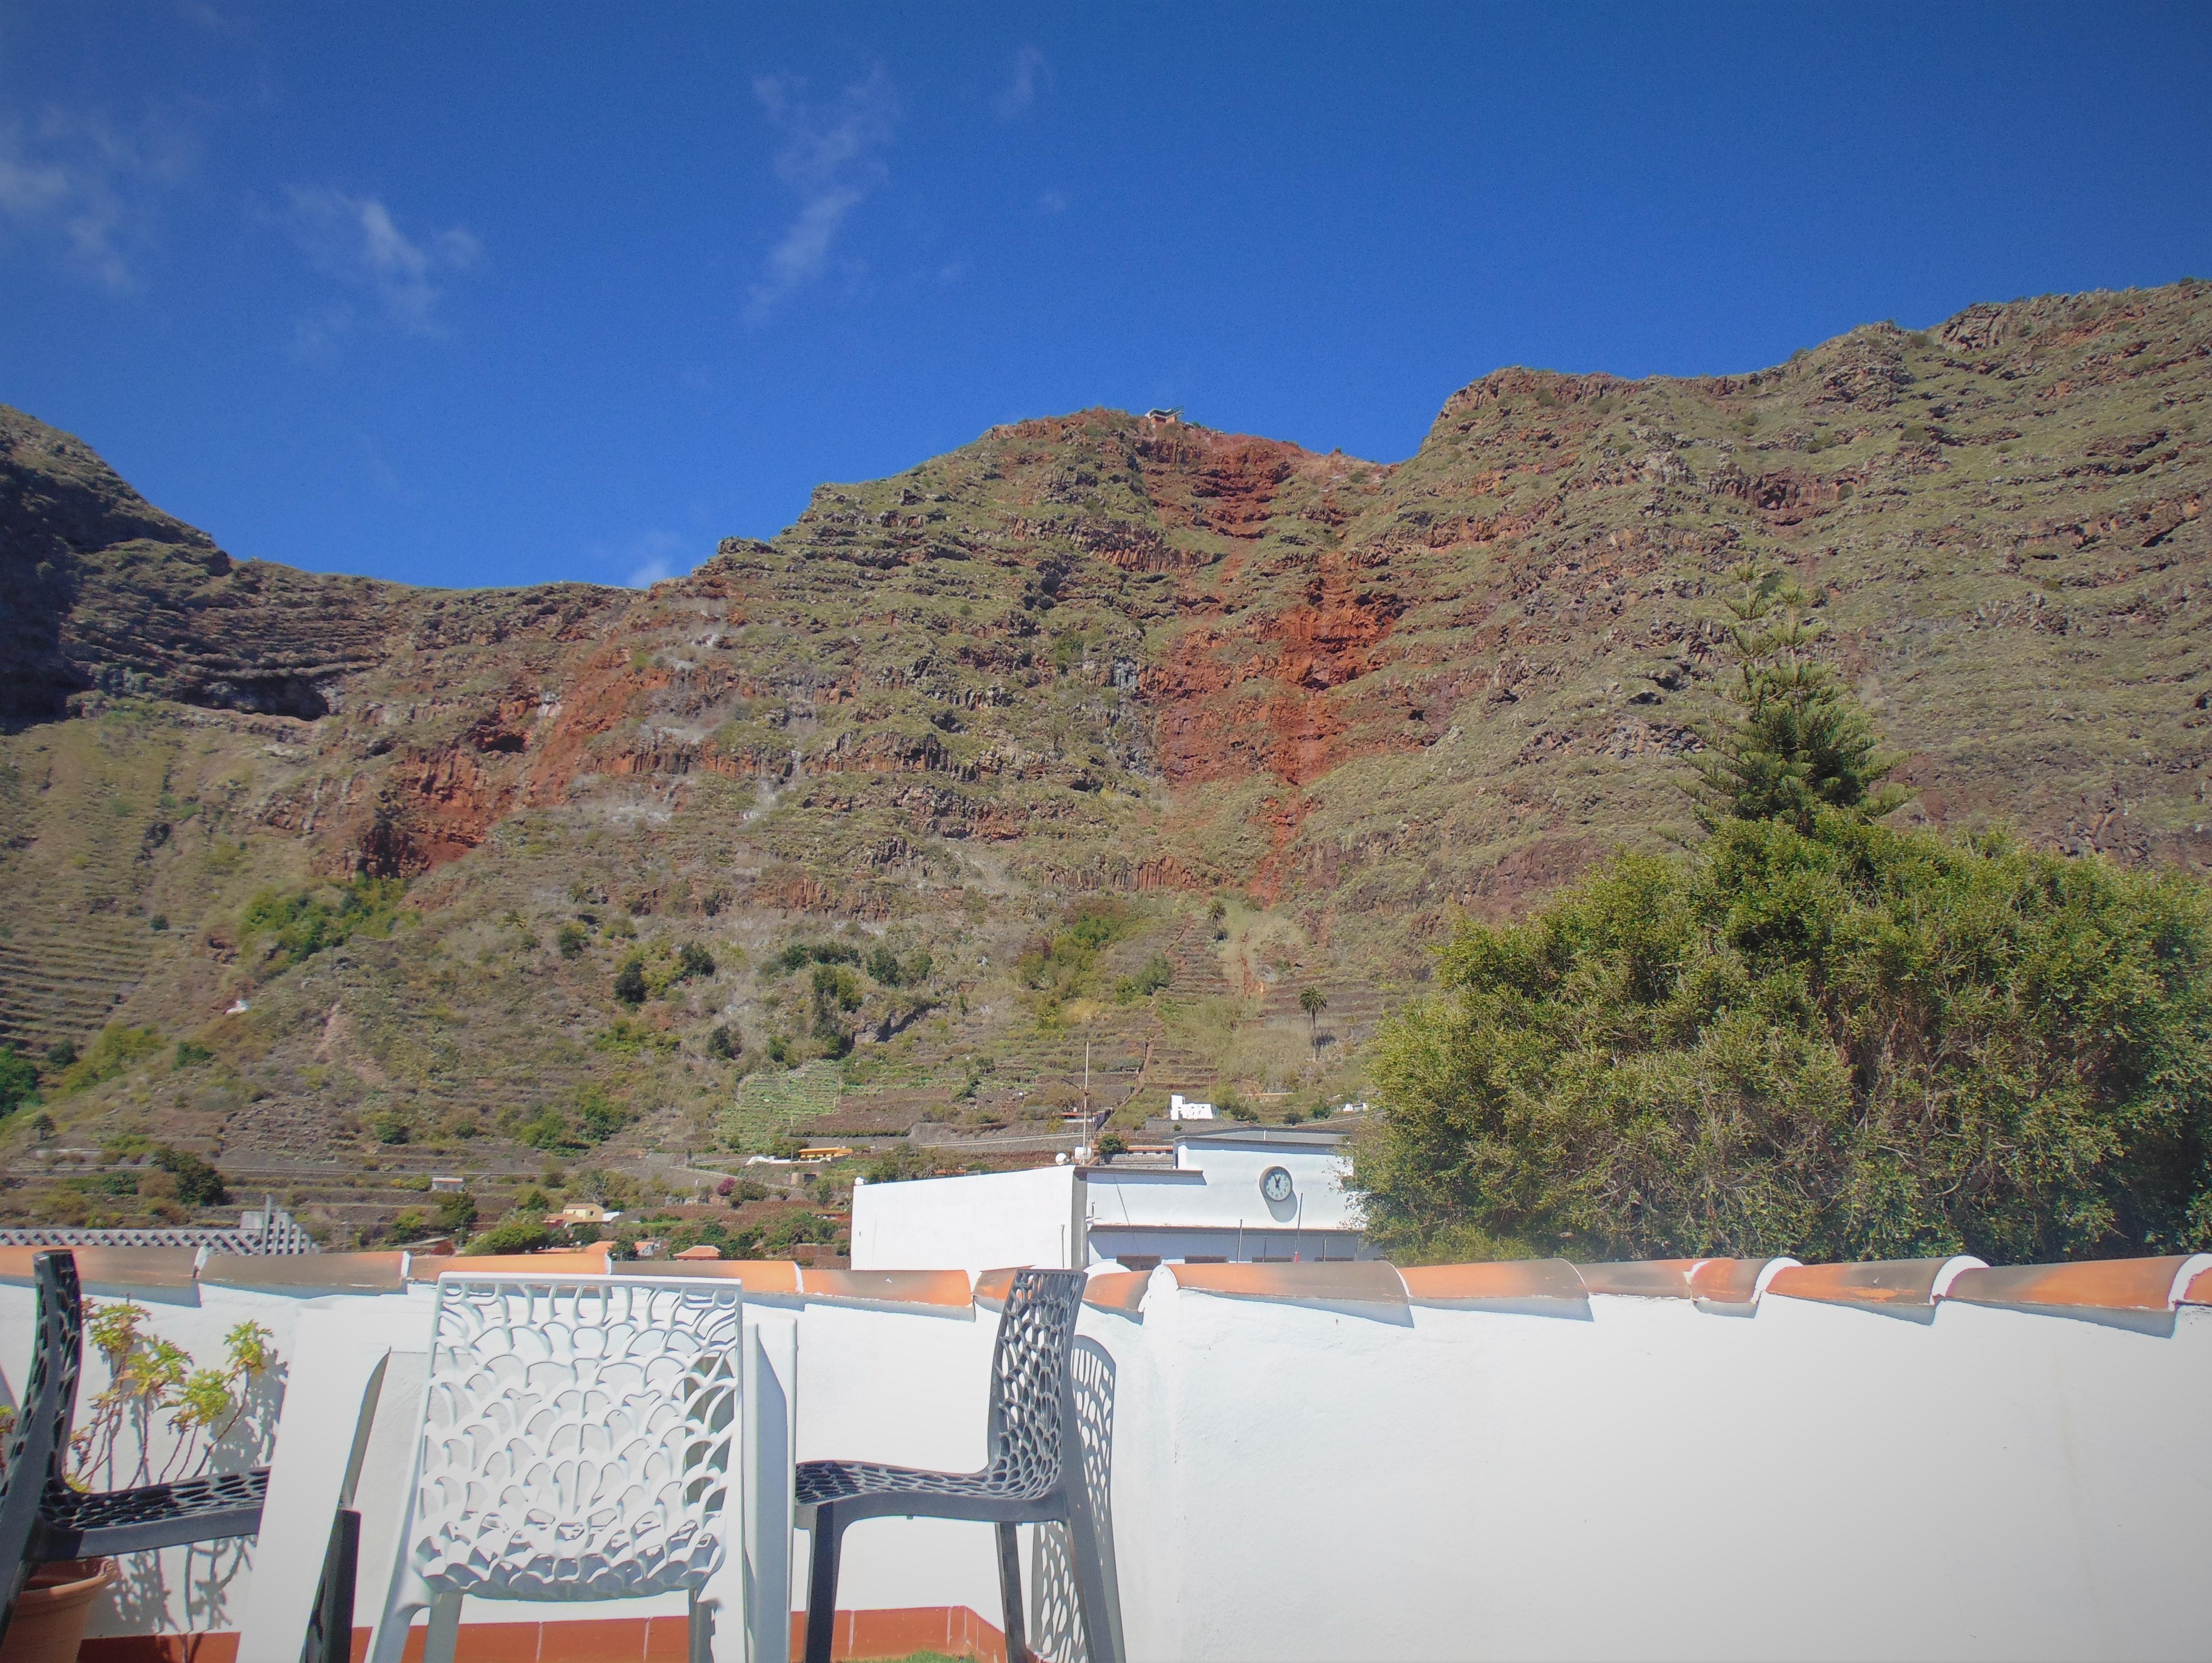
column 1031, row 1396
column 577, row 1435
column 37, row 1448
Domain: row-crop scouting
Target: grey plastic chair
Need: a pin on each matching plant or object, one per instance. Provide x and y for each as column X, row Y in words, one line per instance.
column 1033, row 1473
column 42, row 1519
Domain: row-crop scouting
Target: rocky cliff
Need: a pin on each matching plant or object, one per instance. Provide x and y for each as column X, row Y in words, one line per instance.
column 1094, row 655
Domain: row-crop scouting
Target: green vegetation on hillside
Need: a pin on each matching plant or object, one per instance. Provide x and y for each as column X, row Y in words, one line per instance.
column 19, row 1081
column 1060, row 966
column 294, row 927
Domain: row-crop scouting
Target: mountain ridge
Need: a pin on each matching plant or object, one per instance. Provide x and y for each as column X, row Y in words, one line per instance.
column 1095, row 655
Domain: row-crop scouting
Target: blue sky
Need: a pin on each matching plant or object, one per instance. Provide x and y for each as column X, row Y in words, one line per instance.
column 497, row 293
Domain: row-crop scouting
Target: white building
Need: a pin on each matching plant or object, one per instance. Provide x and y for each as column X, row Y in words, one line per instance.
column 1237, row 1194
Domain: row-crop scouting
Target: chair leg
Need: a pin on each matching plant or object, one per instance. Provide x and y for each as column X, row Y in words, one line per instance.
column 334, row 1599
column 1101, row 1628
column 701, row 1634
column 821, row 1584
column 445, row 1629
column 1010, row 1592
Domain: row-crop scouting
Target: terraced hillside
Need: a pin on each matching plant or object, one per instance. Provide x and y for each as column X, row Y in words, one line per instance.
column 1104, row 729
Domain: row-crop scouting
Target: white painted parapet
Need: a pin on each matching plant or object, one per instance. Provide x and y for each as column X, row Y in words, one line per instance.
column 1697, row 1458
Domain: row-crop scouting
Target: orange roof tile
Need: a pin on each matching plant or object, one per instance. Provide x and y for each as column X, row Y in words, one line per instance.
column 1648, row 1278
column 2106, row 1284
column 595, row 1260
column 755, row 1276
column 1905, row 1282
column 889, row 1287
column 1508, row 1279
column 1369, row 1282
column 309, row 1273
column 1118, row 1290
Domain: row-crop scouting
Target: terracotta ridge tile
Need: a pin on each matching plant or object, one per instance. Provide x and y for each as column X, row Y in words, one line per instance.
column 1899, row 1282
column 1370, row 1281
column 2106, row 1284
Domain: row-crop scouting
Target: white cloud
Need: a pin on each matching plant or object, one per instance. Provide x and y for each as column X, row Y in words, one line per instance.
column 88, row 188
column 1031, row 73
column 653, row 557
column 357, row 241
column 828, row 158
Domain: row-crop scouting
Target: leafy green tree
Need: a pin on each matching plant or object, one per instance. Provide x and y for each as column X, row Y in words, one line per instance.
column 1798, row 743
column 456, row 1212
column 1111, row 1144
column 692, row 959
column 726, row 1042
column 1842, row 1043
column 571, row 938
column 515, row 1236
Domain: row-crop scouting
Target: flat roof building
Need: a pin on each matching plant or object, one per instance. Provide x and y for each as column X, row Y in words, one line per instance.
column 1230, row 1193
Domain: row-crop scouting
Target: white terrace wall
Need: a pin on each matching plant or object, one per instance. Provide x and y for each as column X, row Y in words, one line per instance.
column 1568, row 1478
column 987, row 1219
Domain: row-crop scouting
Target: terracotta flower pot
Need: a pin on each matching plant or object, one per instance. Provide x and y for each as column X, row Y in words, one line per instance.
column 50, row 1617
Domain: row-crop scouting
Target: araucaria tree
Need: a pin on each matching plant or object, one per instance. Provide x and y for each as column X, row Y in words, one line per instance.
column 1815, row 1034
column 1798, row 742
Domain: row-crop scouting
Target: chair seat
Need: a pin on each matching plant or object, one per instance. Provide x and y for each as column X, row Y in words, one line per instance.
column 154, row 1516
column 822, row 1481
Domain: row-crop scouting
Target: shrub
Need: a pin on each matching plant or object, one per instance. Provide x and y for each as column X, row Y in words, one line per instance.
column 692, row 959
column 191, row 1056
column 726, row 1042
column 198, row 1184
column 409, row 1224
column 515, row 1236
column 391, row 1128
column 60, row 1055
column 1844, row 1043
column 629, row 982
column 1112, row 1143
column 1156, row 974
column 19, row 1081
column 630, row 1038
column 883, row 966
column 602, row 1117
column 571, row 938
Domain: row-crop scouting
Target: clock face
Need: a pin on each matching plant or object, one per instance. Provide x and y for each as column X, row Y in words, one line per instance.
column 1275, row 1183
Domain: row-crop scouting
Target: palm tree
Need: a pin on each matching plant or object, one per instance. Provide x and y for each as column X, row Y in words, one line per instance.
column 1313, row 1001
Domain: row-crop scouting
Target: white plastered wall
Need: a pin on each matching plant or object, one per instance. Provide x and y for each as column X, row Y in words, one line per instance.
column 979, row 1222
column 1652, row 1480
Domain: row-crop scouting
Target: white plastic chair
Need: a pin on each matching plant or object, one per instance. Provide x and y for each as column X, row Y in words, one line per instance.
column 579, row 1442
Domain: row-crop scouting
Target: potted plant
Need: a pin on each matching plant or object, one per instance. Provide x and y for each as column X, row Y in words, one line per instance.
column 50, row 1617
